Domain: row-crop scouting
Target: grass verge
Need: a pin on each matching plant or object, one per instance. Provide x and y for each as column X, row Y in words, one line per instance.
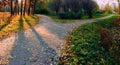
column 57, row 19
column 83, row 46
column 17, row 24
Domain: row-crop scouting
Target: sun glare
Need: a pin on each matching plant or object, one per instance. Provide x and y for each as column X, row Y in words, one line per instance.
column 19, row 0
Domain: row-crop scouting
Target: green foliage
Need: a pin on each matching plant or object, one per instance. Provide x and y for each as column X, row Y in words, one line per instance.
column 89, row 6
column 79, row 14
column 63, row 15
column 110, row 11
column 85, row 46
column 59, row 20
column 99, row 12
column 42, row 8
column 70, row 14
column 73, row 9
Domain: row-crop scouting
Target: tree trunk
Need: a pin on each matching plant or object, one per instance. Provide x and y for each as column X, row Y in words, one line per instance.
column 11, row 7
column 35, row 2
column 16, row 7
column 21, row 8
column 25, row 7
column 29, row 7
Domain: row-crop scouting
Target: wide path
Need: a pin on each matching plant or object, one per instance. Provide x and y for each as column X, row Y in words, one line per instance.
column 39, row 45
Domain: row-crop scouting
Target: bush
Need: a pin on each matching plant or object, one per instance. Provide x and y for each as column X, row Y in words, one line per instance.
column 110, row 12
column 80, row 14
column 106, row 39
column 42, row 10
column 117, row 22
column 62, row 14
column 70, row 14
column 99, row 12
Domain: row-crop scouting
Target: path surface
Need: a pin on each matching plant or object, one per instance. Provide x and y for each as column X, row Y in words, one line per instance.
column 39, row 45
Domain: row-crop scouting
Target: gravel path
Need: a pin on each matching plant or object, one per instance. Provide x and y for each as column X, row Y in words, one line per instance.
column 39, row 45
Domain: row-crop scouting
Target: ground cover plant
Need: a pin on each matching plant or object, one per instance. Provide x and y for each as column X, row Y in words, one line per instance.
column 84, row 46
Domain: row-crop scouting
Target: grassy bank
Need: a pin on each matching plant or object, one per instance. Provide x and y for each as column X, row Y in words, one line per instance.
column 83, row 46
column 16, row 24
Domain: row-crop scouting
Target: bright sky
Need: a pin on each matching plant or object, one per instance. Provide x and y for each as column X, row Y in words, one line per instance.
column 102, row 3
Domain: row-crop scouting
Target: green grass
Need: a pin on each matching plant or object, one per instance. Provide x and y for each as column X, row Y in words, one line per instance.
column 83, row 46
column 57, row 19
column 100, row 15
column 96, row 16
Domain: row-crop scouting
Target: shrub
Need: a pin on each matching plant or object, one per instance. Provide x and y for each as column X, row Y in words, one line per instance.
column 99, row 12
column 104, row 32
column 62, row 14
column 117, row 22
column 70, row 14
column 110, row 12
column 79, row 14
column 42, row 10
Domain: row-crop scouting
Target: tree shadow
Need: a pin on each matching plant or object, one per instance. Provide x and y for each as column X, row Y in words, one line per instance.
column 19, row 53
column 33, row 16
column 29, row 51
column 7, row 23
column 50, row 53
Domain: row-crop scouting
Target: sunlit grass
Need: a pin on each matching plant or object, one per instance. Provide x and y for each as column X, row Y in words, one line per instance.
column 3, row 18
column 15, row 25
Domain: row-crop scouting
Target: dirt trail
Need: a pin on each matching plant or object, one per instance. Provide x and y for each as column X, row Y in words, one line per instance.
column 39, row 45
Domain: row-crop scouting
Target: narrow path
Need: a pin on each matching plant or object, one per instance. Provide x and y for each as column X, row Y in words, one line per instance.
column 39, row 45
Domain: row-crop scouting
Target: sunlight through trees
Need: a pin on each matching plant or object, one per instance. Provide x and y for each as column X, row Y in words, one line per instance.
column 20, row 6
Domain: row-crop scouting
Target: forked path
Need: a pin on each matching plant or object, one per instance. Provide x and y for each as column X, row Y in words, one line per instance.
column 39, row 45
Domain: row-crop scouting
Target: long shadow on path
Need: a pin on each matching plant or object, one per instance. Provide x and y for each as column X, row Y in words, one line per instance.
column 7, row 23
column 31, row 49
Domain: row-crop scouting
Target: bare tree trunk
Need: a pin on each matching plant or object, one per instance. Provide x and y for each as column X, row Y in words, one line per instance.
column 11, row 7
column 16, row 7
column 25, row 7
column 29, row 7
column 35, row 2
column 18, row 10
column 21, row 8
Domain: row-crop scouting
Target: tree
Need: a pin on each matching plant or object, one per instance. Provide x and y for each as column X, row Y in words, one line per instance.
column 89, row 6
column 42, row 7
column 34, row 6
column 16, row 8
column 56, row 5
column 25, row 7
column 73, row 7
column 21, row 7
column 11, row 7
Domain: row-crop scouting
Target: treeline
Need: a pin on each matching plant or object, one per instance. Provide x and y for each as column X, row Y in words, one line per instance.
column 25, row 6
column 73, row 8
column 67, row 9
column 3, row 3
column 20, row 7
